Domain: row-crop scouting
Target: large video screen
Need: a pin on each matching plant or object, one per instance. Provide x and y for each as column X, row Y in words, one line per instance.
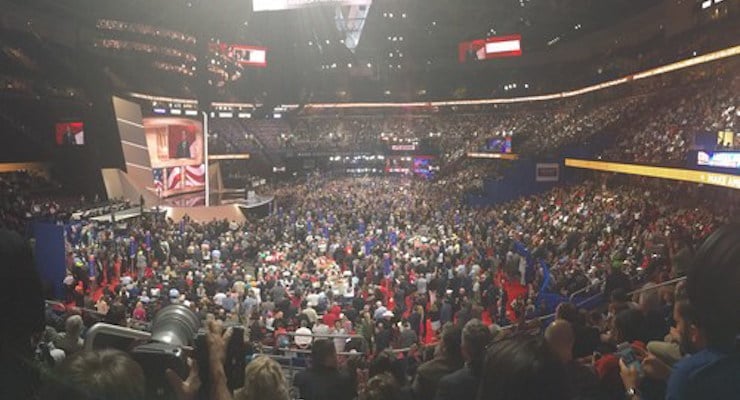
column 498, row 145
column 70, row 133
column 724, row 159
column 176, row 155
column 422, row 166
column 492, row 47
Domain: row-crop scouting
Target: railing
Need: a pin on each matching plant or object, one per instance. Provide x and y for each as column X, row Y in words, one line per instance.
column 584, row 290
column 657, row 285
column 632, row 293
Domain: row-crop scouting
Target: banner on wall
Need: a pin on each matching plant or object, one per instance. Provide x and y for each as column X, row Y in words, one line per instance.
column 549, row 172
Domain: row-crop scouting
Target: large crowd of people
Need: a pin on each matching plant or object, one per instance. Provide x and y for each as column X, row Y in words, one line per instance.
column 389, row 269
column 382, row 287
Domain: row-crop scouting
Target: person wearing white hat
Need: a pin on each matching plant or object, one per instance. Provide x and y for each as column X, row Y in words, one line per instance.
column 303, row 336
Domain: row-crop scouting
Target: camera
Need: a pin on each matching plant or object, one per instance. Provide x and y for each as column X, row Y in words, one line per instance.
column 176, row 333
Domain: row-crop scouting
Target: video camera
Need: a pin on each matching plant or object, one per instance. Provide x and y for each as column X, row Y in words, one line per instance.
column 176, row 333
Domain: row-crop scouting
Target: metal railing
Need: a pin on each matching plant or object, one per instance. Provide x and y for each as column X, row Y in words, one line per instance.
column 584, row 290
column 632, row 293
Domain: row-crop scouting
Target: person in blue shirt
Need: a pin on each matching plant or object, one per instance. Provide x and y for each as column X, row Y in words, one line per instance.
column 709, row 325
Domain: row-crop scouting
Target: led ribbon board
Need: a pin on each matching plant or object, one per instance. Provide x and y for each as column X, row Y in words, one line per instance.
column 676, row 174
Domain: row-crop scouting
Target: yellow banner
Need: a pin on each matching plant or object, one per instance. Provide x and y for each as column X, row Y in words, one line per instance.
column 677, row 174
column 36, row 167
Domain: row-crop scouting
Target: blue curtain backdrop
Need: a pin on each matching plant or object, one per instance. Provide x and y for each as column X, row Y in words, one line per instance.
column 50, row 258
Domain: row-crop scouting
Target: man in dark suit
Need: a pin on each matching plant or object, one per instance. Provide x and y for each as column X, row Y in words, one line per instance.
column 463, row 383
column 183, row 148
column 324, row 381
column 69, row 137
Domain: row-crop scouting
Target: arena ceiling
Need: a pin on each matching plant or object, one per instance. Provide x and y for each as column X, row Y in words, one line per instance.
column 389, row 41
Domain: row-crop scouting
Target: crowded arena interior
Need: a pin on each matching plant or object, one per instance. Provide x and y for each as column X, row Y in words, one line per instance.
column 370, row 199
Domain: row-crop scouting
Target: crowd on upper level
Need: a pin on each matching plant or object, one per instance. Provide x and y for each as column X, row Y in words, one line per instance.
column 654, row 122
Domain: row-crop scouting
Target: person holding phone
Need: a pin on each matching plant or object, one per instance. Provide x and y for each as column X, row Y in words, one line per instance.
column 709, row 326
column 627, row 332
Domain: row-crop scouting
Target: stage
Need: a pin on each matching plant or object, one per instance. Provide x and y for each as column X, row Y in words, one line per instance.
column 230, row 205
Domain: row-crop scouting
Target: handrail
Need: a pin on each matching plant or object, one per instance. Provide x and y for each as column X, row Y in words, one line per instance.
column 583, row 290
column 82, row 309
column 657, row 285
column 303, row 351
column 320, row 335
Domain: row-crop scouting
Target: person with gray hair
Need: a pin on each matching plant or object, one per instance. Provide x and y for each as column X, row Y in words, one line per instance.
column 463, row 383
column 70, row 340
column 560, row 337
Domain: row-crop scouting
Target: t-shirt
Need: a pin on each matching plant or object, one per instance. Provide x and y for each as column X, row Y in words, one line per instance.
column 682, row 386
column 218, row 298
column 312, row 299
column 421, row 285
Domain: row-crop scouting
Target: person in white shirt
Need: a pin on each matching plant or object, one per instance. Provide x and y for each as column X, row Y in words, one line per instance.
column 421, row 284
column 339, row 341
column 218, row 298
column 321, row 329
column 378, row 314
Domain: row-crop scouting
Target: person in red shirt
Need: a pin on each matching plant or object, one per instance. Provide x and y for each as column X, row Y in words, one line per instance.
column 628, row 327
column 139, row 313
column 332, row 315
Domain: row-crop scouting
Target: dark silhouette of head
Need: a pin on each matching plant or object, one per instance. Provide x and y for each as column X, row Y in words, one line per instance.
column 323, row 354
column 22, row 317
column 451, row 340
column 475, row 338
column 713, row 286
column 522, row 368
column 381, row 387
column 629, row 325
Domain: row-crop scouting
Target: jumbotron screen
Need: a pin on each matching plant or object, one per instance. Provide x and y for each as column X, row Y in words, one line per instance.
column 723, row 159
column 175, row 148
column 492, row 47
column 498, row 145
column 70, row 133
column 422, row 166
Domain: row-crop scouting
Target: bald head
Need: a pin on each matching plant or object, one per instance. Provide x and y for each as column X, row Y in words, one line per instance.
column 559, row 335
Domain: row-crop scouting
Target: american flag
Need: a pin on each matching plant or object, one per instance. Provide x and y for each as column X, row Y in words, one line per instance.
column 189, row 176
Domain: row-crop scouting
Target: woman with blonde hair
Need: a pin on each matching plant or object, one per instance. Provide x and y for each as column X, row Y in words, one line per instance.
column 263, row 380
